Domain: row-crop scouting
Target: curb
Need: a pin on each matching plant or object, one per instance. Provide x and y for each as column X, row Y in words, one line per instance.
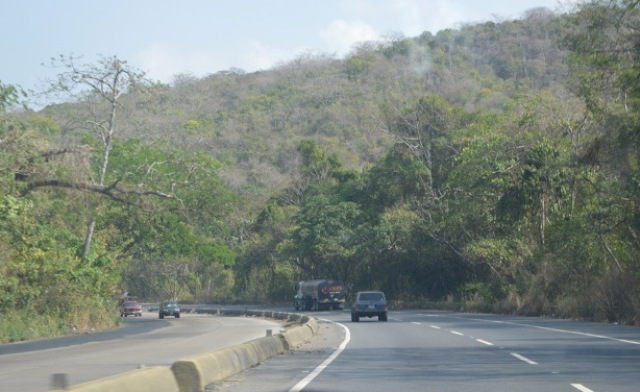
column 152, row 379
column 193, row 374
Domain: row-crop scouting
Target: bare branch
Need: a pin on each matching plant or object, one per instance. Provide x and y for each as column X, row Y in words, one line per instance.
column 113, row 191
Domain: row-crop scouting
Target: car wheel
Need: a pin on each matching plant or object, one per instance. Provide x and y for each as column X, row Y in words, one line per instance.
column 355, row 318
column 178, row 315
column 382, row 317
column 161, row 316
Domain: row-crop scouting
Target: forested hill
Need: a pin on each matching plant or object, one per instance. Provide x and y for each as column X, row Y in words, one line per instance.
column 254, row 122
column 495, row 166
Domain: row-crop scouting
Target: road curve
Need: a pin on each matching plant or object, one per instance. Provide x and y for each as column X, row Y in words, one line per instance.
column 141, row 341
column 439, row 351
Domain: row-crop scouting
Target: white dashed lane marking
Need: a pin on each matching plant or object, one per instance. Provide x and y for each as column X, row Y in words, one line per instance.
column 581, row 388
column 524, row 359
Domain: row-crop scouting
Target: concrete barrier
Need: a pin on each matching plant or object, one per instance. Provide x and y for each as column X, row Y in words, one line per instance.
column 313, row 324
column 295, row 336
column 151, row 379
column 193, row 374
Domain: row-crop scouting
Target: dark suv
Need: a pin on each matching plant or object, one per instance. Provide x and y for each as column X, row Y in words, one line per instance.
column 169, row 308
column 369, row 304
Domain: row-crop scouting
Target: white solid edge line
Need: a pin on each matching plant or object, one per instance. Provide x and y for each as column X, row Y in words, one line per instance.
column 305, row 381
column 524, row 359
column 581, row 387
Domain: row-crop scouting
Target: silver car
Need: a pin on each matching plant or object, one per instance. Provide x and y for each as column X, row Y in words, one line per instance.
column 369, row 304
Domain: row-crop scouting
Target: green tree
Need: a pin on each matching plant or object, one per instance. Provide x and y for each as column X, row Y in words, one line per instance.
column 100, row 85
column 603, row 41
column 323, row 240
column 398, row 178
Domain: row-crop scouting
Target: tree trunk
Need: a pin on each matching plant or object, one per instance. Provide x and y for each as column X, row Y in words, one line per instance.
column 87, row 239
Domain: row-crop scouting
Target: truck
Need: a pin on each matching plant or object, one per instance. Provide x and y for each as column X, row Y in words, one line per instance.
column 319, row 294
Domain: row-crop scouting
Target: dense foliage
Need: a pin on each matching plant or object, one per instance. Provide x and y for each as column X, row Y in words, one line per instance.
column 494, row 167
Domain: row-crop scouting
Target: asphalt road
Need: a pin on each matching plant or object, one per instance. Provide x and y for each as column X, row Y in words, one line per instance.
column 141, row 341
column 436, row 351
column 413, row 351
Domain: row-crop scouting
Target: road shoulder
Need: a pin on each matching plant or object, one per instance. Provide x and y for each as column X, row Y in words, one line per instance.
column 281, row 373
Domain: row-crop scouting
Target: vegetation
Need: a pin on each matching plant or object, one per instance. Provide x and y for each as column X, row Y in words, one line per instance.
column 495, row 167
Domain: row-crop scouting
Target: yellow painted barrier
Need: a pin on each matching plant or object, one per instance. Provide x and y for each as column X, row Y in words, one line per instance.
column 151, row 379
column 295, row 336
column 193, row 374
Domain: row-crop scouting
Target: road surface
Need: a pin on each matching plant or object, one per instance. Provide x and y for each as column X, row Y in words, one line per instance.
column 141, row 341
column 437, row 351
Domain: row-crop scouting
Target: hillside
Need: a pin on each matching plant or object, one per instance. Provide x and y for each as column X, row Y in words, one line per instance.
column 253, row 122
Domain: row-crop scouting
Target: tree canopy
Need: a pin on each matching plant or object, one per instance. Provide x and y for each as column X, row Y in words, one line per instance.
column 492, row 167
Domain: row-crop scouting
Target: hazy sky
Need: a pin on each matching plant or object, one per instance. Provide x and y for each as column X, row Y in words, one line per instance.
column 201, row 37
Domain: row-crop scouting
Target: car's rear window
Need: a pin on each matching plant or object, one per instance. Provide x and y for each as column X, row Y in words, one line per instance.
column 371, row 297
column 129, row 303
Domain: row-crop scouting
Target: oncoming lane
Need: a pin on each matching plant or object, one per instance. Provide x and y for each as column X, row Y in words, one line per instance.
column 142, row 341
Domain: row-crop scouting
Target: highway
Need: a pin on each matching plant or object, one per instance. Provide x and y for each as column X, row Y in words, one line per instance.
column 436, row 351
column 140, row 341
column 413, row 351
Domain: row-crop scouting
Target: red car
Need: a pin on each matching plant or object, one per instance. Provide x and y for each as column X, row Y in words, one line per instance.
column 131, row 308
